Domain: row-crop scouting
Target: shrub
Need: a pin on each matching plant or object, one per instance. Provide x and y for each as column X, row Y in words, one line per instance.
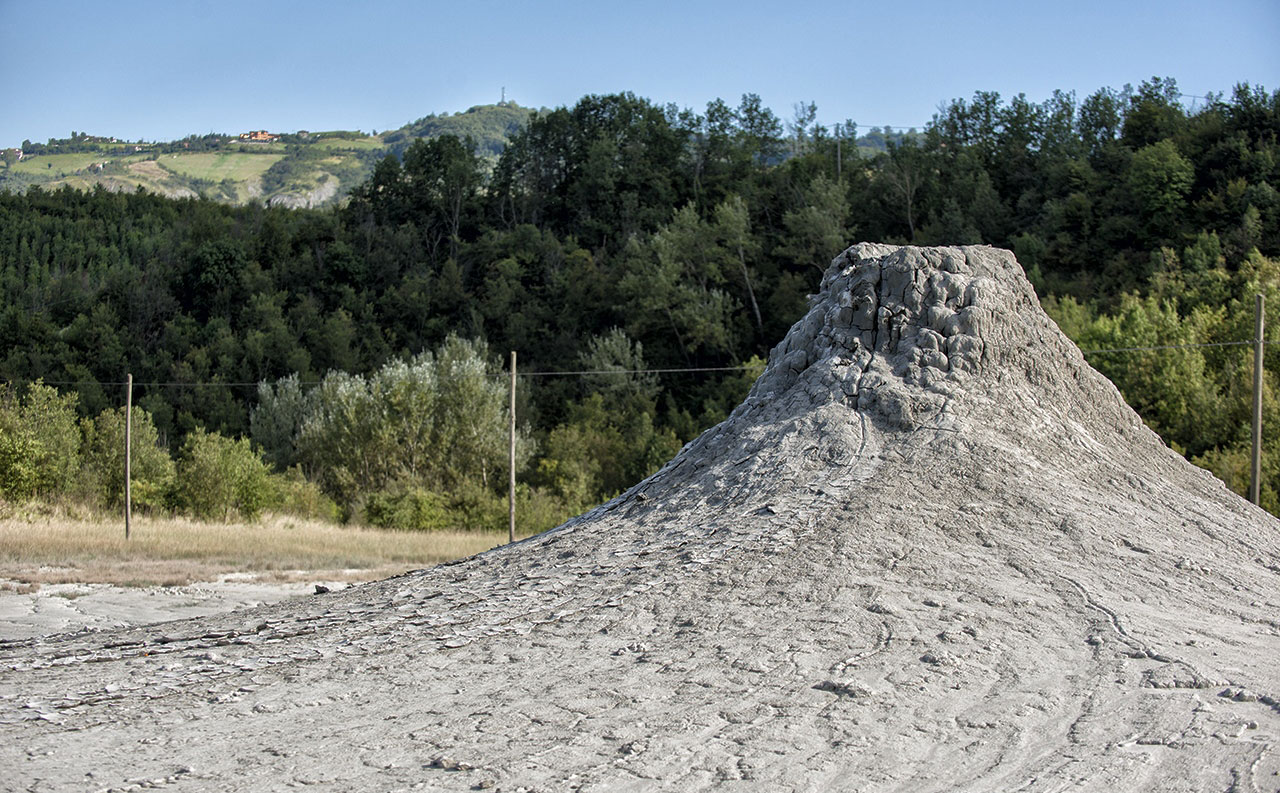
column 295, row 495
column 538, row 510
column 1232, row 466
column 412, row 508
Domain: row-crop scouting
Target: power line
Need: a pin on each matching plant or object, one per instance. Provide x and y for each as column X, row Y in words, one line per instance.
column 153, row 384
column 547, row 373
column 574, row 372
column 637, row 371
column 1175, row 346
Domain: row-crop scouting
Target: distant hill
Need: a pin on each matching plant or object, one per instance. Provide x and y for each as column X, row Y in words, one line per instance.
column 490, row 126
column 298, row 169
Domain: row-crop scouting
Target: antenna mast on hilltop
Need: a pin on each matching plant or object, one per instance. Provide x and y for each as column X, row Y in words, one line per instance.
column 504, row 95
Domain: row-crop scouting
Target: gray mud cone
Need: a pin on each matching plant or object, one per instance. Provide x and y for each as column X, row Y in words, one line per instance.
column 942, row 355
column 933, row 550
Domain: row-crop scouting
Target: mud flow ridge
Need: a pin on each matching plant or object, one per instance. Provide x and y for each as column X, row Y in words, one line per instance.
column 931, row 550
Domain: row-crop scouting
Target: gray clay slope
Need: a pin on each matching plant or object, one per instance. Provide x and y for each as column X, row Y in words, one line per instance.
column 932, row 550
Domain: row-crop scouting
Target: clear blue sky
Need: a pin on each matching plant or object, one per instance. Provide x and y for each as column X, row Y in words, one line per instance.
column 163, row 70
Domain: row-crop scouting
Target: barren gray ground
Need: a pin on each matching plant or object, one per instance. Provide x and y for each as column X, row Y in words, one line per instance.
column 61, row 608
column 933, row 550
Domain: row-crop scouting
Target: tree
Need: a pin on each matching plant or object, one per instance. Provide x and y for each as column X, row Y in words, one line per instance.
column 219, row 476
column 342, row 441
column 1100, row 121
column 1160, row 178
column 817, row 231
column 602, row 450
column 409, row 392
column 437, row 421
column 760, row 129
column 442, row 178
column 733, row 229
column 801, row 126
column 1154, row 113
column 618, row 364
column 275, row 421
column 39, row 443
column 150, row 468
column 1173, row 390
column 471, row 420
column 905, row 170
column 677, row 278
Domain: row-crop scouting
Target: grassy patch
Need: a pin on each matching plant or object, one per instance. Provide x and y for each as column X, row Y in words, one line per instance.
column 54, row 164
column 219, row 165
column 175, row 551
column 358, row 144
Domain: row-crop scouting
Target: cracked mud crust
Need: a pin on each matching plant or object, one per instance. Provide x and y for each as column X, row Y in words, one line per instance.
column 932, row 550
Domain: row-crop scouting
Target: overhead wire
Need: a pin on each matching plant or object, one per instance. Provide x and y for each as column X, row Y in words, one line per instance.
column 545, row 373
column 1175, row 346
column 575, row 372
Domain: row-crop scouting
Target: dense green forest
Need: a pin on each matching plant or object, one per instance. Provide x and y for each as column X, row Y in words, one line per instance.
column 619, row 234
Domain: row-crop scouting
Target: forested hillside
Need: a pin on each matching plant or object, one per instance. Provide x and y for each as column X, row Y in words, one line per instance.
column 621, row 234
column 488, row 126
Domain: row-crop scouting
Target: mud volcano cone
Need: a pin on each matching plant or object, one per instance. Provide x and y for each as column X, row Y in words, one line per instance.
column 932, row 550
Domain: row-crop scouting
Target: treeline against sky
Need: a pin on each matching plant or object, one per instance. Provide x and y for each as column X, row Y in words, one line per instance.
column 621, row 234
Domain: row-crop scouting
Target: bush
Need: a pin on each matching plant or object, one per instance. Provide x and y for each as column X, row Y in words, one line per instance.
column 1233, row 466
column 474, row 507
column 218, row 476
column 471, row 508
column 412, row 508
column 295, row 495
column 538, row 510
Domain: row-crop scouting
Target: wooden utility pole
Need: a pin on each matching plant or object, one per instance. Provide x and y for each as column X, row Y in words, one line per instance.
column 1255, row 466
column 128, row 449
column 511, row 458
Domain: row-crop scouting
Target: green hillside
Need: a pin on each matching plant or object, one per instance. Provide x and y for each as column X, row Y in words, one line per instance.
column 293, row 171
column 489, row 126
column 296, row 170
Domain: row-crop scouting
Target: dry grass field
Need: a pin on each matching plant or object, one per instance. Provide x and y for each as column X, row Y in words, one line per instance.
column 37, row 549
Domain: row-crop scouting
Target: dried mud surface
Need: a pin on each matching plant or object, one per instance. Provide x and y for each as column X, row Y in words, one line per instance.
column 28, row 612
column 932, row 550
